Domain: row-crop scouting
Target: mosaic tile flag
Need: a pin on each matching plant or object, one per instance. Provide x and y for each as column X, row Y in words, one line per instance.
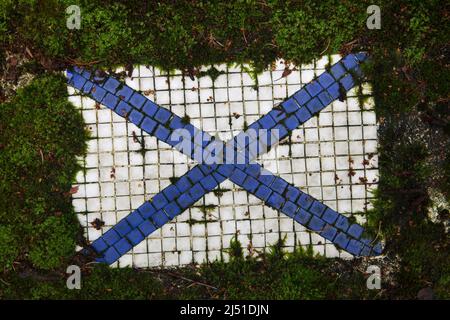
column 203, row 178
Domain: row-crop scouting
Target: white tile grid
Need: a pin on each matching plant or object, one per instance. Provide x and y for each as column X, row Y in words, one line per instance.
column 118, row 177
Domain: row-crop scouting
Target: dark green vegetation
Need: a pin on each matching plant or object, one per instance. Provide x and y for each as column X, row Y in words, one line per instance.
column 276, row 276
column 41, row 134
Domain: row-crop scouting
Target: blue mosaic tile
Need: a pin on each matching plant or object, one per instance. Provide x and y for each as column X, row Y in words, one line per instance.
column 333, row 91
column 88, row 87
column 326, row 80
column 98, row 93
column 317, row 208
column 266, row 122
column 275, row 200
column 329, row 232
column 195, row 174
column 255, row 126
column 314, row 105
column 162, row 133
column 238, row 176
column 185, row 200
column 358, row 72
column 172, row 210
column 137, row 100
column 347, row 82
column 292, row 122
column 361, row 56
column 292, row 193
column 313, row 88
column 86, row 74
column 159, row 218
column 266, row 177
column 330, row 216
column 341, row 240
column 208, row 169
column 176, row 122
column 111, row 255
column 77, row 81
column 279, row 185
column 250, row 184
column 193, row 131
column 208, row 183
column 303, row 115
column 124, row 93
column 289, row 106
column 150, row 108
column 263, row 192
column 342, row 223
column 325, row 98
column 111, row 237
column 77, row 69
column 305, row 201
column 135, row 117
column 123, row 246
column 365, row 252
column 135, row 237
column 253, row 170
column 147, row 228
column 219, row 178
column 162, row 115
column 289, row 209
column 302, row 97
column 111, row 85
column 110, row 101
column 148, row 125
column 316, row 224
column 197, row 191
column 282, row 133
column 134, row 218
column 159, row 201
column 302, row 216
column 377, row 249
column 171, row 192
column 122, row 227
column 277, row 115
column 350, row 62
column 99, row 245
column 338, row 71
column 70, row 74
column 146, row 210
column 354, row 247
column 355, row 230
column 183, row 184
column 123, row 109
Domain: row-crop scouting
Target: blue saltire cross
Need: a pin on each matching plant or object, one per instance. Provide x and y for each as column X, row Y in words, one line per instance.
column 203, row 178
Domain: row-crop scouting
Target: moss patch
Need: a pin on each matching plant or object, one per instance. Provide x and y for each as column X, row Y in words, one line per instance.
column 41, row 134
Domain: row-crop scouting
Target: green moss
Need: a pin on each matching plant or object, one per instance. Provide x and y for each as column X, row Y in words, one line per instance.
column 312, row 27
column 42, row 134
column 56, row 242
column 9, row 248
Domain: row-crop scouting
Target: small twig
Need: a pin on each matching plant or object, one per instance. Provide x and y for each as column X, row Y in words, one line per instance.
column 6, row 283
column 378, row 233
column 76, row 62
column 42, row 156
column 325, row 48
column 190, row 280
column 243, row 33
